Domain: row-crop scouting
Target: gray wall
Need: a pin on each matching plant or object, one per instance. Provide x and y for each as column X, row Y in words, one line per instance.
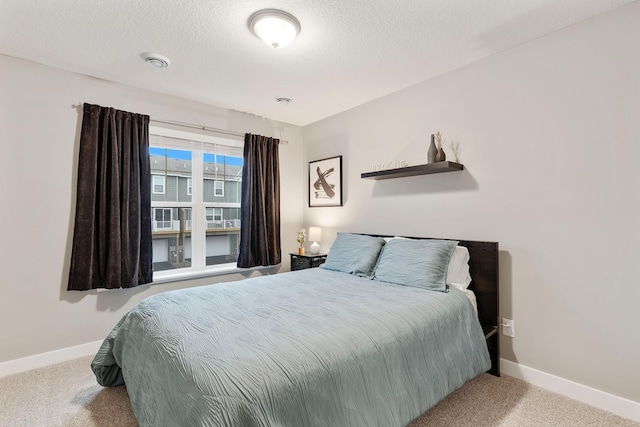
column 549, row 133
column 39, row 133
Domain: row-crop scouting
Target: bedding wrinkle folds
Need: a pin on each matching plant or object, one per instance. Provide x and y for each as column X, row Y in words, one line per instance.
column 308, row 348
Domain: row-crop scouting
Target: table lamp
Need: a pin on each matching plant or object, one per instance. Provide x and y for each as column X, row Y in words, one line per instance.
column 315, row 236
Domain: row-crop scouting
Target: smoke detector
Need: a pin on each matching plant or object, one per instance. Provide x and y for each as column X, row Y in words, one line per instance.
column 283, row 100
column 156, row 60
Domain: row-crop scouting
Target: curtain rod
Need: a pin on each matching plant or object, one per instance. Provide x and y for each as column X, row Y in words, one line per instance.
column 204, row 128
column 188, row 125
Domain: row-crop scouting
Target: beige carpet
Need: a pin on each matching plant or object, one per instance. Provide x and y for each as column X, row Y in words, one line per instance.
column 67, row 395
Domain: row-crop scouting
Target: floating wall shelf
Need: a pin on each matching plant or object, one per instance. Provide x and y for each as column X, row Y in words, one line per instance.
column 437, row 167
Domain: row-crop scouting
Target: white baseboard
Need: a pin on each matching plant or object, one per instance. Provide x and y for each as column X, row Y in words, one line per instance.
column 582, row 393
column 591, row 396
column 50, row 358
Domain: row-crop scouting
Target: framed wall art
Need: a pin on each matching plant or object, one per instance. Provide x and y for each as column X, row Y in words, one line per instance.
column 325, row 182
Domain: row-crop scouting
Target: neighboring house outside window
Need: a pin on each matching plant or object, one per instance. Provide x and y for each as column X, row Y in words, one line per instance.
column 196, row 216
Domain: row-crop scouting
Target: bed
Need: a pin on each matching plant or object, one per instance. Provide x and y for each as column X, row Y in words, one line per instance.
column 317, row 347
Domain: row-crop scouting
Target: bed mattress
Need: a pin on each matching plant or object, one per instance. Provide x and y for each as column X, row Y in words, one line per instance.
column 307, row 348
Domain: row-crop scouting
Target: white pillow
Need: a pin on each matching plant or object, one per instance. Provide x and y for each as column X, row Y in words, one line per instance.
column 458, row 271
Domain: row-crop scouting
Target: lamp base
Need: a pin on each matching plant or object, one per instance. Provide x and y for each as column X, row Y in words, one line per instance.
column 314, row 249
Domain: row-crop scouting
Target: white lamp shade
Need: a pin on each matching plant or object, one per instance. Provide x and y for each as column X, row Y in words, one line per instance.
column 315, row 234
column 275, row 27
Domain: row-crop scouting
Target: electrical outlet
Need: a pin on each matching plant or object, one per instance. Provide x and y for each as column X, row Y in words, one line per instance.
column 508, row 327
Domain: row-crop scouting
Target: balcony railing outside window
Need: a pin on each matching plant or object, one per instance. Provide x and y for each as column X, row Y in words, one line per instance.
column 226, row 223
column 165, row 225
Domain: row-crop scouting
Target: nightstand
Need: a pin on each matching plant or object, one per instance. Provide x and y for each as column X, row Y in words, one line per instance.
column 300, row 262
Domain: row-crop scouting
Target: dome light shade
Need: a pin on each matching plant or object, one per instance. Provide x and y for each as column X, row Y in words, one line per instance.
column 275, row 27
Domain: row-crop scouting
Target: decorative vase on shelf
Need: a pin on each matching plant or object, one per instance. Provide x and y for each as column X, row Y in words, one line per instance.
column 301, row 250
column 441, row 157
column 432, row 151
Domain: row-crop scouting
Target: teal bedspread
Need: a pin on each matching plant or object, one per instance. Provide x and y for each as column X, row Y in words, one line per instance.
column 307, row 348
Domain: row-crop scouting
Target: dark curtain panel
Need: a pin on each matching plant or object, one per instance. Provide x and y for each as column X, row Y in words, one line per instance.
column 260, row 207
column 112, row 234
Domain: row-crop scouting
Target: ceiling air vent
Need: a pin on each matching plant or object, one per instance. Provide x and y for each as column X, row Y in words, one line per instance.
column 156, row 60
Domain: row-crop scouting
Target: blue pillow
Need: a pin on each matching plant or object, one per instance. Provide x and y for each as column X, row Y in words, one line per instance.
column 355, row 254
column 417, row 263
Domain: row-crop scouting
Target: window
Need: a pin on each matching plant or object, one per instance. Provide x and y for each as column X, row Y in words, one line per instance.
column 218, row 188
column 196, row 216
column 214, row 214
column 161, row 219
column 158, row 184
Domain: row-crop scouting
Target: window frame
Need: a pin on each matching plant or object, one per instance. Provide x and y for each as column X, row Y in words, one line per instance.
column 200, row 144
column 215, row 187
column 153, row 184
column 163, row 209
column 214, row 210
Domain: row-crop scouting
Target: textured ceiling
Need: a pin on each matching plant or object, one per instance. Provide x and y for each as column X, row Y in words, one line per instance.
column 349, row 51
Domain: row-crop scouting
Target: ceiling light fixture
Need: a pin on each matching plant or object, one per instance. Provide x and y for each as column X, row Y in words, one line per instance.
column 275, row 27
column 156, row 60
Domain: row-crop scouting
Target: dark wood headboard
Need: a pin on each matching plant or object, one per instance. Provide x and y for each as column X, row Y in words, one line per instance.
column 483, row 267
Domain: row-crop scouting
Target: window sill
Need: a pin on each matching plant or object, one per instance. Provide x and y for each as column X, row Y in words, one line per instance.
column 182, row 276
